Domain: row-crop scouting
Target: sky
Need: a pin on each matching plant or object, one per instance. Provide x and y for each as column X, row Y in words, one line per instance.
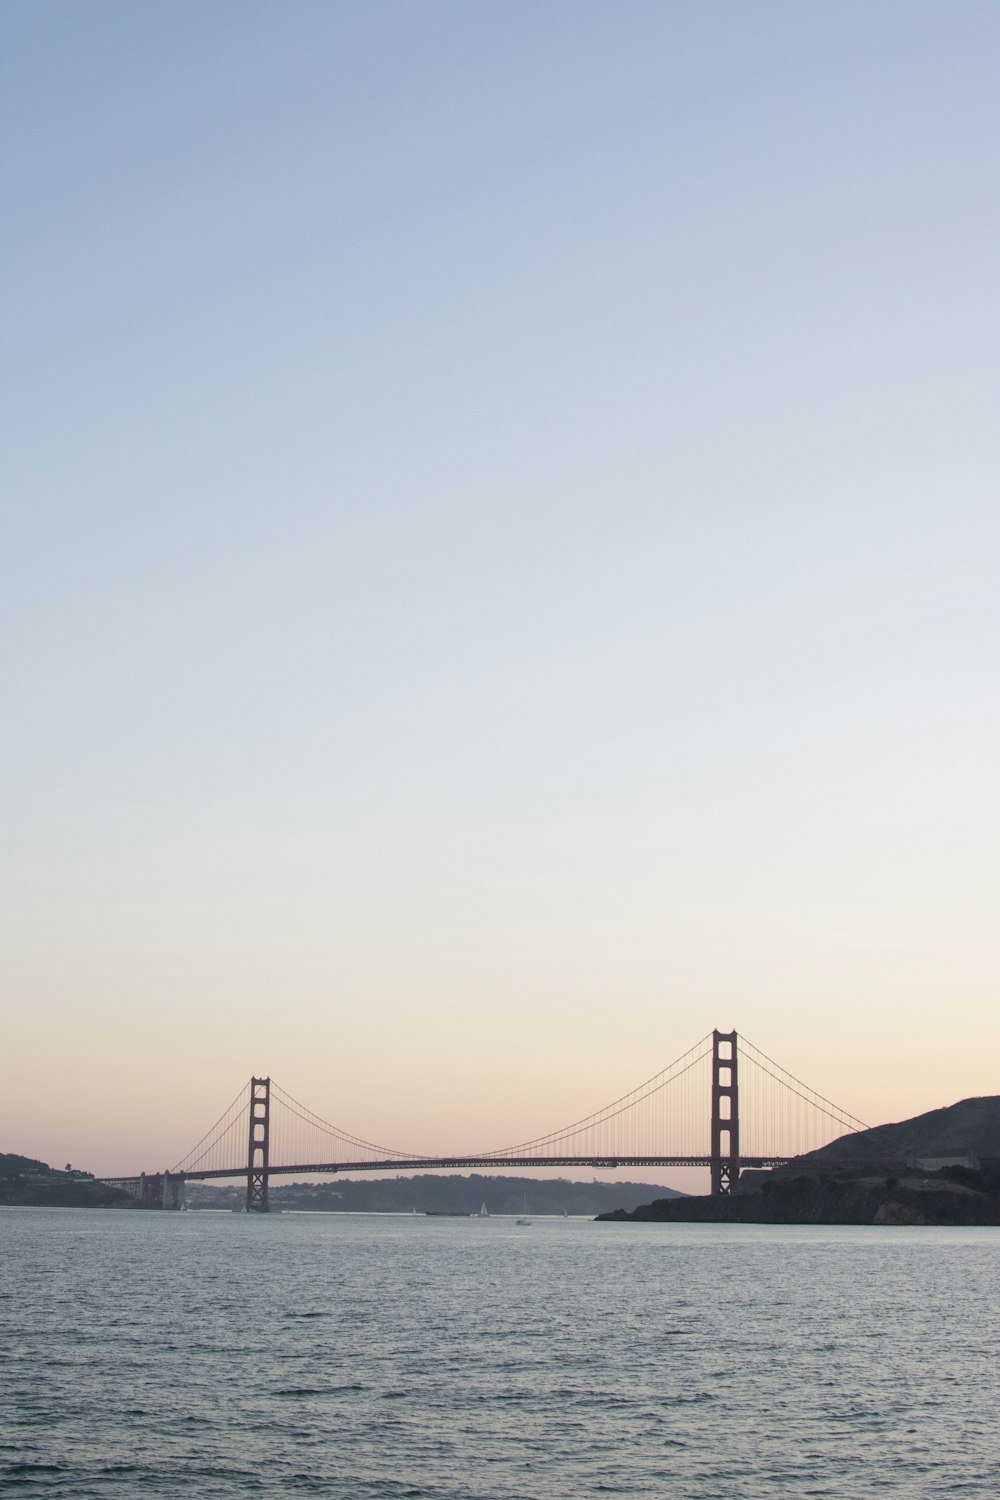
column 498, row 570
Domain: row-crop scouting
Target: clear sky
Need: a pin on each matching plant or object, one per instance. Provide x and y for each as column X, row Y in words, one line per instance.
column 499, row 558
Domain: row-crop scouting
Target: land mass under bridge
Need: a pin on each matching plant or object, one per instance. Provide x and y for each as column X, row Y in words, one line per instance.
column 29, row 1183
column 428, row 1193
column 954, row 1195
column 941, row 1167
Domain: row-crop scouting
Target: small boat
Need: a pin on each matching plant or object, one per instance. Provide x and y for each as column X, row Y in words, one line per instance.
column 484, row 1212
column 523, row 1217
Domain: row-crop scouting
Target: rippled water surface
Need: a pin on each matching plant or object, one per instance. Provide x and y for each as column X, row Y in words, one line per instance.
column 231, row 1355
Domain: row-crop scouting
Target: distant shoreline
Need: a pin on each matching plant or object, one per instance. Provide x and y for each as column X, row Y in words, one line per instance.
column 25, row 1182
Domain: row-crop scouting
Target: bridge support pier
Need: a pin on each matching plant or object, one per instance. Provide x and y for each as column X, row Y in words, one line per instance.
column 160, row 1190
column 258, row 1145
column 725, row 1166
column 173, row 1191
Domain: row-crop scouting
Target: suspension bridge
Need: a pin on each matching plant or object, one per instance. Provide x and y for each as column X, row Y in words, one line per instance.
column 723, row 1104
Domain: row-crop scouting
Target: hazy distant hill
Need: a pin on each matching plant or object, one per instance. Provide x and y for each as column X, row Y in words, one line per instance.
column 30, row 1183
column 969, row 1128
column 450, row 1194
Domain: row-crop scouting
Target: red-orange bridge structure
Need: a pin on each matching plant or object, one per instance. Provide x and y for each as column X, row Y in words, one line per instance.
column 723, row 1104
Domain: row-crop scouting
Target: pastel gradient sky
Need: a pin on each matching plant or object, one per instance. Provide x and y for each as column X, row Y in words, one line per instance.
column 500, row 558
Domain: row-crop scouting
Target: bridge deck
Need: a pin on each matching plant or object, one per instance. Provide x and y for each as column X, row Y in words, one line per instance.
column 451, row 1163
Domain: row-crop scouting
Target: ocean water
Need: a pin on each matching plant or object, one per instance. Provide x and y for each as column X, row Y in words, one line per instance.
column 227, row 1356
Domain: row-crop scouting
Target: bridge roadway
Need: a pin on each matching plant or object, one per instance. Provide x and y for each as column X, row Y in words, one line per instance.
column 439, row 1163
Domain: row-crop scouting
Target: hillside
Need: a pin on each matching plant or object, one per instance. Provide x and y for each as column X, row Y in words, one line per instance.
column 955, row 1196
column 832, row 1186
column 27, row 1183
column 969, row 1128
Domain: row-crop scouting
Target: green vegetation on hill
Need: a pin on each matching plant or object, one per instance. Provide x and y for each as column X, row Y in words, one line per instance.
column 27, row 1183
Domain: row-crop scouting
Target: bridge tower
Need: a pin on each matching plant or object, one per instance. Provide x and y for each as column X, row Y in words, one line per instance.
column 725, row 1114
column 258, row 1145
